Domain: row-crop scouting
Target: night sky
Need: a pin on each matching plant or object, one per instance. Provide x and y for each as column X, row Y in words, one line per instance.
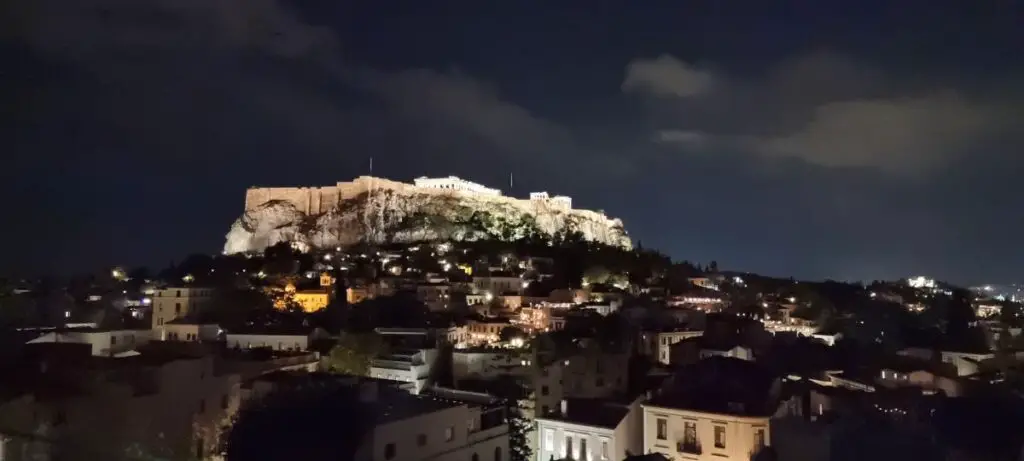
column 842, row 139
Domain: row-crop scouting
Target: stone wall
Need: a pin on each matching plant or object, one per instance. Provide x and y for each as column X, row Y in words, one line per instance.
column 316, row 200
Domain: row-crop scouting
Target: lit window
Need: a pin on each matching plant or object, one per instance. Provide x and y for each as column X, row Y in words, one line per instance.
column 549, row 439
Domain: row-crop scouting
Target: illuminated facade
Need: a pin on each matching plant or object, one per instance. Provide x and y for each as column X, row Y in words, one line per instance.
column 455, row 184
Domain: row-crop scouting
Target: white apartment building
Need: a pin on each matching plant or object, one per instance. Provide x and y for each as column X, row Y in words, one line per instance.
column 592, row 430
column 718, row 409
column 412, row 366
column 489, row 362
column 103, row 343
column 659, row 343
column 186, row 330
column 175, row 302
column 448, row 425
column 295, row 340
column 497, row 284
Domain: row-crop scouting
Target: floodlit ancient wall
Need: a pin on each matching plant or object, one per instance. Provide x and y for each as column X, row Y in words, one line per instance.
column 316, row 200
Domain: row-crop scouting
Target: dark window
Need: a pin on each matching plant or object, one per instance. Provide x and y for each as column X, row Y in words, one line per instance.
column 759, row 438
column 202, row 405
column 224, row 402
column 199, row 448
column 113, row 340
column 449, row 434
column 389, row 451
column 497, row 453
column 600, row 382
column 421, row 439
column 543, row 410
column 177, row 308
column 662, row 429
column 543, row 390
column 719, row 436
column 476, row 457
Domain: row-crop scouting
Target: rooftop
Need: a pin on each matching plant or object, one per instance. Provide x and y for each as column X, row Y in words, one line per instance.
column 604, row 413
column 721, row 385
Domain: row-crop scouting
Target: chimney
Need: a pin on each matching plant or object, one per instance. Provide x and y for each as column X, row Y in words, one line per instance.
column 565, row 407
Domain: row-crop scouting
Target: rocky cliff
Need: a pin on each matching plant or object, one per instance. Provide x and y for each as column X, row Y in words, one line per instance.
column 406, row 216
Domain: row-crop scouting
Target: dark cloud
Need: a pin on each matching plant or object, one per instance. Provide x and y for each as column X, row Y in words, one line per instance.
column 821, row 108
column 138, row 124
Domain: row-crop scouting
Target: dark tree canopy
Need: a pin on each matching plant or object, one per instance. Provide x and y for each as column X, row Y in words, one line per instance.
column 325, row 420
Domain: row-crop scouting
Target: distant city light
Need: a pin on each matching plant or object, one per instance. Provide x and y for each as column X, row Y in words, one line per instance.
column 921, row 282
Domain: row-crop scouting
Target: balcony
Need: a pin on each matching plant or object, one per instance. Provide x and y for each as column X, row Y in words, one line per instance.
column 391, row 364
column 690, row 447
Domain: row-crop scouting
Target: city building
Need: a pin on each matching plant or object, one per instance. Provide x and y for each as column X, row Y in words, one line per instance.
column 593, row 372
column 312, row 300
column 102, row 342
column 489, row 362
column 185, row 329
column 280, row 339
column 591, row 429
column 719, row 409
column 455, row 184
column 175, row 302
column 484, row 331
column 657, row 344
column 498, row 283
column 411, row 358
column 435, row 295
column 157, row 403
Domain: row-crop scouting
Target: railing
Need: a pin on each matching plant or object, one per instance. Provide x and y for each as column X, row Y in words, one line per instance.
column 693, row 448
column 391, row 364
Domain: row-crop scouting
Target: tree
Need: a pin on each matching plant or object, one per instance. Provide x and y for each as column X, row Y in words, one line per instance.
column 519, row 429
column 235, row 308
column 596, row 275
column 335, row 422
column 353, row 353
column 509, row 333
column 400, row 310
column 713, row 267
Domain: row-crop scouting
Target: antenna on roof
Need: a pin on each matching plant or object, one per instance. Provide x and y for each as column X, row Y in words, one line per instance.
column 371, row 166
column 510, row 182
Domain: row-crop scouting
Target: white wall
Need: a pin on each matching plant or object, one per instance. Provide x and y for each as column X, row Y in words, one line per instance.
column 451, row 434
column 275, row 342
column 104, row 343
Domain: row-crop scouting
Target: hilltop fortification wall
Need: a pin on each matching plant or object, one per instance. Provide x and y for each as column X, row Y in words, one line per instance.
column 316, row 200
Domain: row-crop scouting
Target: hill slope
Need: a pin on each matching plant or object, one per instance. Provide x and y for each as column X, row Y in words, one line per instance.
column 393, row 216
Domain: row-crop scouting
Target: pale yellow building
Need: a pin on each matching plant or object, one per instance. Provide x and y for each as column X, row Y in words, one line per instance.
column 311, row 300
column 718, row 409
column 175, row 302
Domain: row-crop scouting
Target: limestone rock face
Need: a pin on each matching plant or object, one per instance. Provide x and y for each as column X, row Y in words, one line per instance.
column 403, row 216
